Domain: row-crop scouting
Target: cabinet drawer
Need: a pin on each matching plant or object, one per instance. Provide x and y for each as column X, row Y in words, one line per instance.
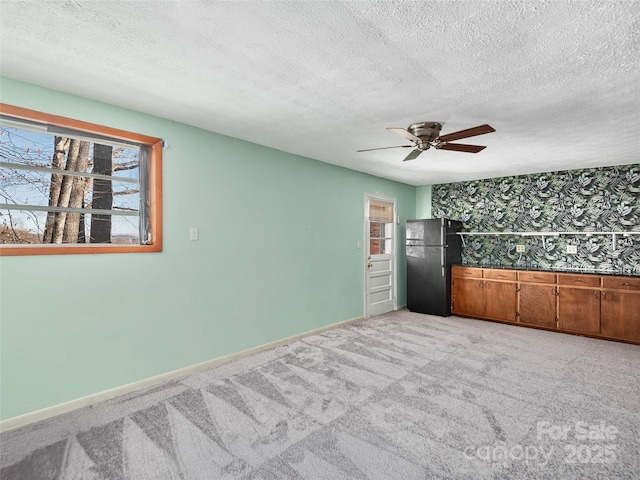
column 537, row 277
column 578, row 280
column 468, row 272
column 621, row 283
column 500, row 274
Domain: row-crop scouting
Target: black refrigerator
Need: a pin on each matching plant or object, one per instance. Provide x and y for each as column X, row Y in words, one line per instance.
column 432, row 247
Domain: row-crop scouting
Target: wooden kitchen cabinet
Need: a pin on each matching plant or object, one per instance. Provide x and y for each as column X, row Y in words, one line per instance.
column 537, row 298
column 500, row 300
column 595, row 305
column 466, row 293
column 579, row 280
column 579, row 303
column 466, row 272
column 467, row 296
column 579, row 309
column 483, row 293
column 620, row 308
column 546, row 278
column 500, row 294
column 537, row 305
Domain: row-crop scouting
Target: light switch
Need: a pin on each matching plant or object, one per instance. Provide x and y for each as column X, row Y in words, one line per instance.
column 572, row 249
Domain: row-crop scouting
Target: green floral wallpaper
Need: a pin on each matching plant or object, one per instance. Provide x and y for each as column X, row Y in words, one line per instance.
column 588, row 200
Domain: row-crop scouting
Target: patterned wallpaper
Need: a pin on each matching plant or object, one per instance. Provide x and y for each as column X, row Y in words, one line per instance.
column 598, row 199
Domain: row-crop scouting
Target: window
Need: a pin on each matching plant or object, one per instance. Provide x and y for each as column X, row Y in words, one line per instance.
column 68, row 186
column 380, row 227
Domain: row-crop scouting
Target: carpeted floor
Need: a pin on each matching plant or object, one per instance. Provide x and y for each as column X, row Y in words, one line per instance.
column 400, row 396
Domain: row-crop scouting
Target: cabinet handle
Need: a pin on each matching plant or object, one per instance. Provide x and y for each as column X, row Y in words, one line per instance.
column 624, row 284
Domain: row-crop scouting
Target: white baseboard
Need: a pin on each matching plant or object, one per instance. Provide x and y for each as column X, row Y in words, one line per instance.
column 48, row 412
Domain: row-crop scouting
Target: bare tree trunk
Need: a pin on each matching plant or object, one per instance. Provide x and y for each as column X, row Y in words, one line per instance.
column 65, row 191
column 102, row 194
column 82, row 236
column 76, row 198
column 61, row 145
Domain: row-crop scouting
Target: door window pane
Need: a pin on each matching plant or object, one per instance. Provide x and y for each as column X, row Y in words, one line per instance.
column 379, row 239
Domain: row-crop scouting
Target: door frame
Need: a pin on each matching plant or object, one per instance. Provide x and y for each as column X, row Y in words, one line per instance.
column 394, row 256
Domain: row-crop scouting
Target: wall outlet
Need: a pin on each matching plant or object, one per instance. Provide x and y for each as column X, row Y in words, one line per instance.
column 572, row 249
column 519, row 248
column 193, row 233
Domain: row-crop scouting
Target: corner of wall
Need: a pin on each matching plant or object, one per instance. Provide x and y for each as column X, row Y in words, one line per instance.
column 423, row 201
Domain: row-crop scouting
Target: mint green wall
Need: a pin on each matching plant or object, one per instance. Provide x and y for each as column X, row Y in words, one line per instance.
column 423, row 201
column 277, row 256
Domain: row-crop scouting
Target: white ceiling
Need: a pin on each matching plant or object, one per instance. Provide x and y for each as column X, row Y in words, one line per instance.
column 559, row 80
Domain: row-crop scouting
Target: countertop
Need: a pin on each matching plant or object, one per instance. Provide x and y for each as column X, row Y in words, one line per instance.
column 536, row 268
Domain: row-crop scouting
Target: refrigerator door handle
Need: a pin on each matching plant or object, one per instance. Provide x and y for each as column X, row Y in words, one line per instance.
column 444, row 246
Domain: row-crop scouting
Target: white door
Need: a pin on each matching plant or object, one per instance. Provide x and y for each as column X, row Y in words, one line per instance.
column 380, row 255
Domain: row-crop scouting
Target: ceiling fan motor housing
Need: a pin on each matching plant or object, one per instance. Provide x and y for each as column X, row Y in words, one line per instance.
column 425, row 131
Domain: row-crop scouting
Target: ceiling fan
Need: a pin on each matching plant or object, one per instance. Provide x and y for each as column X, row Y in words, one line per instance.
column 427, row 134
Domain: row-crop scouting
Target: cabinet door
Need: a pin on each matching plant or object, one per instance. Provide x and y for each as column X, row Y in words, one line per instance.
column 579, row 309
column 538, row 305
column 467, row 297
column 621, row 315
column 500, row 300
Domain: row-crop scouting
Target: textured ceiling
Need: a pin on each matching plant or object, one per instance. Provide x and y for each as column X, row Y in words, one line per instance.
column 558, row 80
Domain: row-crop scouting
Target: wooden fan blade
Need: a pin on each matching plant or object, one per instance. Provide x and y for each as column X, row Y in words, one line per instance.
column 404, row 133
column 469, row 132
column 384, row 148
column 461, row 147
column 413, row 154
